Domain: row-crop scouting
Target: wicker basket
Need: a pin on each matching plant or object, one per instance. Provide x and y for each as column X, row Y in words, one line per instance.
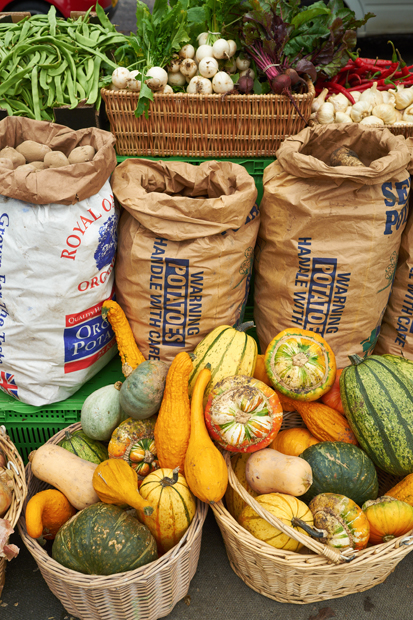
column 401, row 130
column 316, row 573
column 15, row 464
column 205, row 125
column 147, row 593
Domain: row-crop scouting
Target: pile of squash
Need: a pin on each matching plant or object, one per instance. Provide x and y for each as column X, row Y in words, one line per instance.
column 125, row 484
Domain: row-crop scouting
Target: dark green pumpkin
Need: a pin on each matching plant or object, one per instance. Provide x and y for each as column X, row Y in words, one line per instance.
column 81, row 445
column 377, row 397
column 103, row 539
column 141, row 393
column 341, row 468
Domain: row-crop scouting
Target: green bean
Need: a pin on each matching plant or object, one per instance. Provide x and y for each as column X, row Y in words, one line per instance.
column 24, row 31
column 51, row 95
column 59, row 94
column 81, row 77
column 8, row 38
column 64, row 82
column 35, row 94
column 71, row 91
column 90, row 68
column 43, row 79
column 6, row 106
column 59, row 69
column 81, row 91
column 95, row 88
column 13, row 79
column 51, row 16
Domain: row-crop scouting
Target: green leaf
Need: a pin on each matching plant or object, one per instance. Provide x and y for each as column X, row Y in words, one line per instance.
column 159, row 9
column 144, row 101
column 310, row 14
column 257, row 89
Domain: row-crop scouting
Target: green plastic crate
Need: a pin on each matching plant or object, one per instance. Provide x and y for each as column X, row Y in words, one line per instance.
column 29, row 427
column 255, row 167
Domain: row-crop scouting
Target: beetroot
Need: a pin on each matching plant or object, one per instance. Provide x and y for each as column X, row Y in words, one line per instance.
column 245, row 85
column 280, row 83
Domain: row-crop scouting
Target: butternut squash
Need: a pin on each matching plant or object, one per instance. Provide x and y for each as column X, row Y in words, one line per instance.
column 173, row 424
column 205, row 469
column 269, row 471
column 403, row 490
column 67, row 472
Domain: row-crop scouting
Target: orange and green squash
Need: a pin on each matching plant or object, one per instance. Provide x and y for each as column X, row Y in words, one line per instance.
column 103, row 540
column 141, row 393
column 284, row 507
column 300, row 364
column 243, row 414
column 332, row 398
column 173, row 424
column 388, row 518
column 403, row 490
column 133, row 441
column 168, row 491
column 46, row 512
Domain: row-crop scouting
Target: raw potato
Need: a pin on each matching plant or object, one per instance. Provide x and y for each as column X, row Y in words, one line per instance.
column 343, row 156
column 26, row 168
column 56, row 159
column 32, row 151
column 81, row 154
column 38, row 165
column 10, row 153
column 6, row 163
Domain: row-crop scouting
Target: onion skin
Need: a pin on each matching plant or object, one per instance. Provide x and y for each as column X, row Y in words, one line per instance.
column 5, row 498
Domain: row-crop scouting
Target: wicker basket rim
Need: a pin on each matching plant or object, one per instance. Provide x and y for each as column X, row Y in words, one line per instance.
column 328, row 554
column 15, row 464
column 116, row 580
column 134, row 95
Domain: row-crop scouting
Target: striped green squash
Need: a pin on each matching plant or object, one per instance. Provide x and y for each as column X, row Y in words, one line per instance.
column 81, row 445
column 377, row 398
column 229, row 351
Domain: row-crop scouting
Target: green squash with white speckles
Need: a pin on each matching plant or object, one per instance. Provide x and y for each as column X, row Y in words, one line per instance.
column 141, row 392
column 103, row 539
column 341, row 468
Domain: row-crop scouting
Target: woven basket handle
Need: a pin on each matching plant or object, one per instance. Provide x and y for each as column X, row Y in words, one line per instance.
column 331, row 554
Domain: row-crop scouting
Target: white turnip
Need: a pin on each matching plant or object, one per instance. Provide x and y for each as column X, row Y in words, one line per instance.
column 133, row 83
column 158, row 78
column 202, row 38
column 199, row 86
column 174, row 66
column 220, row 49
column 222, row 83
column 242, row 63
column 187, row 51
column 188, row 67
column 232, row 47
column 208, row 67
column 176, row 79
column 120, row 76
column 247, row 73
column 203, row 51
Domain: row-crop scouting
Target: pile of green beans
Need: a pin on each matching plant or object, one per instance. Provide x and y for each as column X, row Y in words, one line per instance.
column 47, row 62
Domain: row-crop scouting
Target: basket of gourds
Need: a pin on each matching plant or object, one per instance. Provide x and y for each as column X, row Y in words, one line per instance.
column 12, row 493
column 301, row 570
column 149, row 591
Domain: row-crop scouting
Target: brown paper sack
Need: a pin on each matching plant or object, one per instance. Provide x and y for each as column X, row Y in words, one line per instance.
column 396, row 334
column 329, row 236
column 185, row 252
column 66, row 185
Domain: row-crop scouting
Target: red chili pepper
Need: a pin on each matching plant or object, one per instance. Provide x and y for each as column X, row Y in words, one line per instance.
column 404, row 69
column 344, row 91
column 375, row 61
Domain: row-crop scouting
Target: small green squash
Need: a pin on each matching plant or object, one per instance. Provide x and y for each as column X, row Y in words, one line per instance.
column 103, row 539
column 377, row 397
column 141, row 392
column 101, row 412
column 341, row 468
column 78, row 443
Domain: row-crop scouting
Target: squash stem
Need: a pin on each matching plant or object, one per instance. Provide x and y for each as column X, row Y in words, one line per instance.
column 245, row 326
column 311, row 531
column 355, row 359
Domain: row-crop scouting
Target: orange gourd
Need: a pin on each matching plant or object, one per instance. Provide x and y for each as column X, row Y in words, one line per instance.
column 293, row 441
column 388, row 518
column 117, row 483
column 323, row 422
column 403, row 490
column 46, row 512
column 173, row 425
column 332, row 398
column 128, row 349
column 260, row 372
column 205, row 469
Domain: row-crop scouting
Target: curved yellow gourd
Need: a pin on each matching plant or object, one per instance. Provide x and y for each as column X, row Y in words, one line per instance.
column 173, row 424
column 117, row 483
column 128, row 349
column 205, row 469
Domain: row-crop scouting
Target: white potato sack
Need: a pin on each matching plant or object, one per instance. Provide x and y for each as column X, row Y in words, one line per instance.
column 56, row 269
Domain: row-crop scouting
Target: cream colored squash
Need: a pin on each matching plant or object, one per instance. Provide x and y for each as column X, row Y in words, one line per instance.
column 270, row 471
